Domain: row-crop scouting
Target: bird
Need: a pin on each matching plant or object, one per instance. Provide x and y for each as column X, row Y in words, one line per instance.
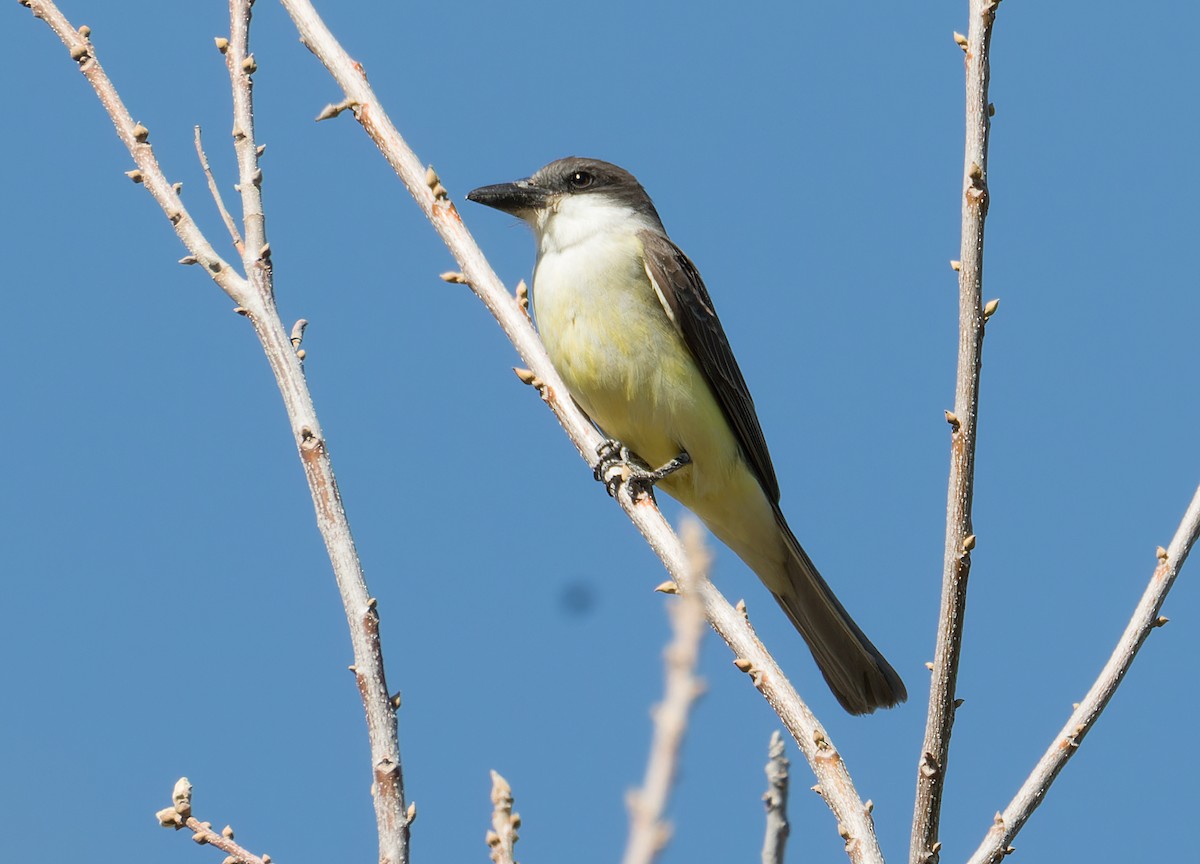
column 631, row 329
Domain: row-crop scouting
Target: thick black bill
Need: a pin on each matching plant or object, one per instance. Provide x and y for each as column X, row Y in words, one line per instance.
column 515, row 198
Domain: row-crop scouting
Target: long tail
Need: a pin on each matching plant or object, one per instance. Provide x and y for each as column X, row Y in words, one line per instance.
column 859, row 676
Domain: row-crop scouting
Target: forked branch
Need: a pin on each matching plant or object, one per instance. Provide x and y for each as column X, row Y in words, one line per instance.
column 254, row 296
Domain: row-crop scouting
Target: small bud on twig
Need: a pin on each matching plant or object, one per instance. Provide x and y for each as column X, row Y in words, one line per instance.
column 453, row 277
column 222, row 44
column 249, row 66
column 960, row 40
column 955, row 265
column 140, row 133
column 135, row 175
column 668, row 587
column 968, row 543
column 990, row 308
column 953, row 420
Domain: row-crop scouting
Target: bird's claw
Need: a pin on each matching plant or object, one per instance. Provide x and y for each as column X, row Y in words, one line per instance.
column 618, row 464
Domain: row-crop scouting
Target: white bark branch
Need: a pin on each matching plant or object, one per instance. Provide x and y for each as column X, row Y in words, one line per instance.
column 648, row 830
column 960, row 537
column 775, row 799
column 502, row 838
column 255, row 299
column 854, row 821
column 1145, row 619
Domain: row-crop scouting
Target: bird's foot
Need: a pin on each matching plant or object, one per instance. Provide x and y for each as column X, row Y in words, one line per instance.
column 618, row 464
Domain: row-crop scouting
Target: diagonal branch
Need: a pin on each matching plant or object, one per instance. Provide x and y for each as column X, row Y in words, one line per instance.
column 1145, row 619
column 854, row 820
column 648, row 831
column 255, row 299
column 960, row 537
column 136, row 139
column 215, row 191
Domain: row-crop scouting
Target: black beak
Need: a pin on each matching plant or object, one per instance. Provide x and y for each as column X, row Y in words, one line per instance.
column 515, row 198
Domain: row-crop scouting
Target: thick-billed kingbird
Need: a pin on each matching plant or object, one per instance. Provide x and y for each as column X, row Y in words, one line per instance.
column 631, row 329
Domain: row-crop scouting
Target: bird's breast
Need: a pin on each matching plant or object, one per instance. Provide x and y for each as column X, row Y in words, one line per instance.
column 625, row 362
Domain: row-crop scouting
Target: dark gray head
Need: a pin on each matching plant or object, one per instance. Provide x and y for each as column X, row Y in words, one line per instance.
column 570, row 178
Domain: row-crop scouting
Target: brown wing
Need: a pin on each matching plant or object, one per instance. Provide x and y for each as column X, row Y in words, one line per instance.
column 686, row 300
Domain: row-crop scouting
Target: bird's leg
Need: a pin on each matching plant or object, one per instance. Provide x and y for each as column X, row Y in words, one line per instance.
column 618, row 464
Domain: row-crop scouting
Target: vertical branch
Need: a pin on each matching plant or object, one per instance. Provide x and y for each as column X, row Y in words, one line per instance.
column 648, row 831
column 502, row 838
column 392, row 817
column 254, row 298
column 960, row 538
column 775, row 799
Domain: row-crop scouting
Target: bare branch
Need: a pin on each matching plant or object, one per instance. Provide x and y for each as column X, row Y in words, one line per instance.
column 136, row 139
column 230, row 225
column 960, row 537
column 775, row 799
column 1145, row 620
column 834, row 783
column 854, row 821
column 502, row 838
column 254, row 297
column 648, row 831
column 179, row 815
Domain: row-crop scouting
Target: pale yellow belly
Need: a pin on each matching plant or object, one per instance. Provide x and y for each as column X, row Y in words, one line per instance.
column 630, row 370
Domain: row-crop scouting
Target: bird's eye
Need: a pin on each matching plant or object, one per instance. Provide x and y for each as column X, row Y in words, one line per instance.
column 580, row 180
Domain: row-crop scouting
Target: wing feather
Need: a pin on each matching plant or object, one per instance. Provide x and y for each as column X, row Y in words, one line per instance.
column 686, row 301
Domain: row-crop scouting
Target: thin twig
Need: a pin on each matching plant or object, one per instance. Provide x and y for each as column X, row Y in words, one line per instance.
column 179, row 815
column 136, row 138
column 775, row 799
column 854, row 821
column 1145, row 620
column 502, row 838
column 255, row 299
column 960, row 538
column 230, row 225
column 648, row 830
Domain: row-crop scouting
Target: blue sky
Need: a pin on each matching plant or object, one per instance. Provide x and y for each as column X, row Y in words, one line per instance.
column 168, row 608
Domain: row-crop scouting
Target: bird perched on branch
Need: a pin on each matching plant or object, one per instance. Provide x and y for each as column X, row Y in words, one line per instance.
column 631, row 329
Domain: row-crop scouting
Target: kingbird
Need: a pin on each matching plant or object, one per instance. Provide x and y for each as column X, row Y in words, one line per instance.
column 631, row 329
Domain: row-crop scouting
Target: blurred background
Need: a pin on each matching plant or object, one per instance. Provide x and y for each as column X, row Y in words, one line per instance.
column 168, row 608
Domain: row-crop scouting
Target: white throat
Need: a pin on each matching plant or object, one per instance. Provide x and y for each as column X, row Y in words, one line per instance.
column 573, row 220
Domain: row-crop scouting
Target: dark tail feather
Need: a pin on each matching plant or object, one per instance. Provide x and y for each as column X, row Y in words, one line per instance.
column 859, row 676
